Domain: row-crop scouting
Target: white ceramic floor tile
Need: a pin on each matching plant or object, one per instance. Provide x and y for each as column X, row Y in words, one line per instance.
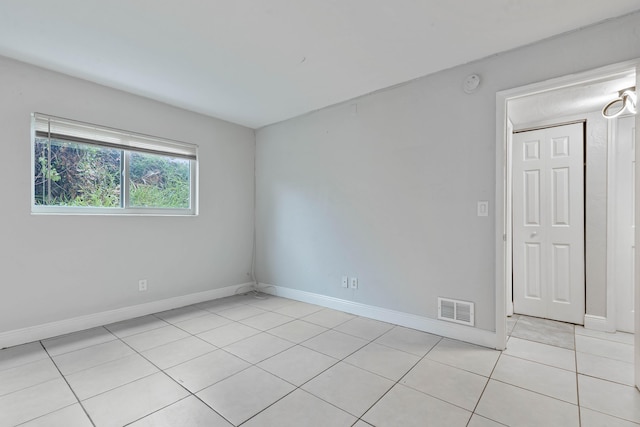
column 335, row 344
column 181, row 314
column 85, row 358
column 77, row 340
column 382, row 360
column 298, row 364
column 21, row 355
column 541, row 353
column 28, row 375
column 70, row 416
column 604, row 348
column 545, row 331
column 453, row 385
column 135, row 326
column 589, row 418
column 269, row 302
column 610, row 398
column 328, row 318
column 189, row 412
column 154, row 338
column 469, row 357
column 406, row 407
column 258, row 347
column 297, row 331
column 301, row 409
column 515, row 406
column 176, row 352
column 110, row 375
column 119, row 386
column 298, row 309
column 605, row 368
column 228, row 334
column 620, row 337
column 133, row 401
column 409, row 340
column 203, row 323
column 478, row 421
column 206, row 370
column 244, row 394
column 349, row 388
column 362, row 327
column 553, row 382
column 240, row 312
column 34, row 402
column 266, row 320
column 220, row 304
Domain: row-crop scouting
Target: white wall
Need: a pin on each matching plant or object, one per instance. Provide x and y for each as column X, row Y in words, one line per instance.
column 385, row 187
column 60, row 267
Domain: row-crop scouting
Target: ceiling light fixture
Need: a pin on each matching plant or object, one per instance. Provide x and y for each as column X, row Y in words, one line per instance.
column 627, row 100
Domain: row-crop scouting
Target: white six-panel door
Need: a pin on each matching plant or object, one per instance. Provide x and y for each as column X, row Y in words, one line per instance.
column 624, row 222
column 548, row 223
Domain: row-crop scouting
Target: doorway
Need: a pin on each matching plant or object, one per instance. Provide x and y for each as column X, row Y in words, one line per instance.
column 560, row 87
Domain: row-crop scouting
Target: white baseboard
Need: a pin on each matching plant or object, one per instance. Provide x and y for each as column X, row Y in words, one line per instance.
column 433, row 326
column 597, row 323
column 61, row 327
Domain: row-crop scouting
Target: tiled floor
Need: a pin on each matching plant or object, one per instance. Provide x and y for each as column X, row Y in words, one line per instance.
column 278, row 362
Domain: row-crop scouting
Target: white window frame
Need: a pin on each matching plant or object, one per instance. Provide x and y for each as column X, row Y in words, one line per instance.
column 126, row 141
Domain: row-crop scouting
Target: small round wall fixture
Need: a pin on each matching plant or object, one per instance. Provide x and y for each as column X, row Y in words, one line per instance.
column 471, row 83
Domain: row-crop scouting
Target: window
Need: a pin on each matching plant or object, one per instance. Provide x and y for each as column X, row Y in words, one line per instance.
column 79, row 168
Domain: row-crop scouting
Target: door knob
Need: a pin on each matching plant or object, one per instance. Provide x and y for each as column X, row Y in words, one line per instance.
column 534, row 234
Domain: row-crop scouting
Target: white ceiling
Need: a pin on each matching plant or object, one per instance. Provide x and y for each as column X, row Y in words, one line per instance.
column 256, row 62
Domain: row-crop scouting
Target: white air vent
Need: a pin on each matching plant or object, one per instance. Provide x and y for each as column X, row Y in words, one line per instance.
column 456, row 311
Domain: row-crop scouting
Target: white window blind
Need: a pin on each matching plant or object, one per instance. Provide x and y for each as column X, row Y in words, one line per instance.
column 70, row 130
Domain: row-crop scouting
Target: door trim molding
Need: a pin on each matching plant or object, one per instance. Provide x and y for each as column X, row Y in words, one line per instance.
column 610, row 318
column 503, row 235
column 597, row 323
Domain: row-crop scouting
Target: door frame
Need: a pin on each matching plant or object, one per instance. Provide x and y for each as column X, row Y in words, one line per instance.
column 612, row 249
column 503, row 256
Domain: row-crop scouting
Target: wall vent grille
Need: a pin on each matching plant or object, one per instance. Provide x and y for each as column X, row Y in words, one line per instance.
column 456, row 311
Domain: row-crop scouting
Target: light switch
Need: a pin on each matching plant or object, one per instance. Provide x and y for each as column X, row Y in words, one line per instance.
column 483, row 208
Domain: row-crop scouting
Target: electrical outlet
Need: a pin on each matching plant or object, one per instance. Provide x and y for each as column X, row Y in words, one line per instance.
column 142, row 285
column 345, row 281
column 353, row 284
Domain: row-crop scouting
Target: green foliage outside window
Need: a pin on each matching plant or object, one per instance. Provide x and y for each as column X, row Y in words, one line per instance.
column 158, row 181
column 72, row 174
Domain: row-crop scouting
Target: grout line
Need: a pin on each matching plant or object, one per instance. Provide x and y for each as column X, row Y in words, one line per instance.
column 160, row 370
column 541, row 363
column 158, row 410
column 486, row 384
column 68, row 385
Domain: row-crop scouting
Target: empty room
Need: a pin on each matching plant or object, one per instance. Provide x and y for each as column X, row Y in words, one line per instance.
column 319, row 213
